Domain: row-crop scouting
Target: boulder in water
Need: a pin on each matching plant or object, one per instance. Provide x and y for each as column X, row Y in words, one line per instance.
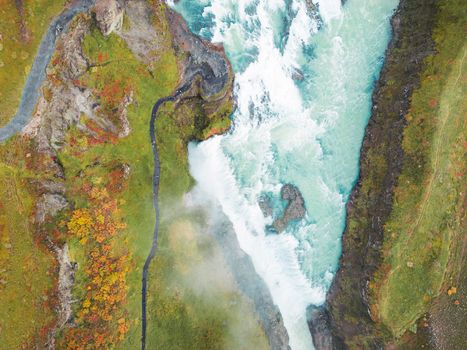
column 295, row 209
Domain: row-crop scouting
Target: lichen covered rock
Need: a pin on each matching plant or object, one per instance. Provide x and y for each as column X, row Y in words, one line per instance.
column 109, row 16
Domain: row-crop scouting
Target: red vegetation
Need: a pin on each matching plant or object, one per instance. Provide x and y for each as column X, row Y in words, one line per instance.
column 100, row 321
column 112, row 94
column 100, row 136
column 102, row 57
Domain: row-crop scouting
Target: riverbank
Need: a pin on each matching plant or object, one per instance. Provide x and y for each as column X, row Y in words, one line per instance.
column 362, row 310
column 85, row 160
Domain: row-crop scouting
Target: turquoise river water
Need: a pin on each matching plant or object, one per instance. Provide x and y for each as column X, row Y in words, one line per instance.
column 303, row 86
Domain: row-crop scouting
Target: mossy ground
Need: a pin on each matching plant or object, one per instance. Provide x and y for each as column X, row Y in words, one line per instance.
column 183, row 313
column 179, row 317
column 26, row 270
column 21, row 32
column 426, row 222
column 411, row 241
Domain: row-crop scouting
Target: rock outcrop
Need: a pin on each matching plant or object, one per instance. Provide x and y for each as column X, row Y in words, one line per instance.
column 66, row 279
column 320, row 327
column 49, row 204
column 347, row 309
column 109, row 16
column 140, row 34
column 203, row 59
column 295, row 209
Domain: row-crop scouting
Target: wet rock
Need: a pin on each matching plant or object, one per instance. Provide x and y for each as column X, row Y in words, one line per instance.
column 265, row 205
column 321, row 328
column 297, row 74
column 109, row 16
column 319, row 324
column 203, row 59
column 295, row 209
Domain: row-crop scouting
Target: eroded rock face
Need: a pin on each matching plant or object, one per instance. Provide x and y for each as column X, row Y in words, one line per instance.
column 73, row 57
column 295, row 209
column 320, row 327
column 49, row 205
column 203, row 59
column 66, row 279
column 140, row 34
column 109, row 16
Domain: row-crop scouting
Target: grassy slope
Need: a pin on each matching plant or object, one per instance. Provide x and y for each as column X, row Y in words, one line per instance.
column 25, row 278
column 18, row 48
column 427, row 218
column 185, row 319
column 370, row 204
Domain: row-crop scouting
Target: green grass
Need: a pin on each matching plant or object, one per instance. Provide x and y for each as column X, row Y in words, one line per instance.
column 134, row 150
column 25, row 269
column 17, row 51
column 195, row 302
column 425, row 222
column 179, row 317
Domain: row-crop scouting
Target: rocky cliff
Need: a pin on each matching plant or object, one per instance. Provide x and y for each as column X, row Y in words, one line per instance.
column 345, row 321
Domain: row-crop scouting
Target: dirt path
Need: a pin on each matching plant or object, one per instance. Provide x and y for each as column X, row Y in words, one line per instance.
column 444, row 119
column 155, row 199
column 445, row 114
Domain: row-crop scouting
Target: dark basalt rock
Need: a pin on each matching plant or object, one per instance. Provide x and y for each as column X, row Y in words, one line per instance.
column 320, row 326
column 295, row 209
column 203, row 58
column 347, row 307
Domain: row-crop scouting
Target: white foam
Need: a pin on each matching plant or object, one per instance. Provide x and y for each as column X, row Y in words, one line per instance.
column 289, row 132
column 329, row 9
column 273, row 256
column 270, row 102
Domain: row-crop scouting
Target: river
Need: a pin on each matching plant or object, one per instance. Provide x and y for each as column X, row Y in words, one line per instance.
column 304, row 80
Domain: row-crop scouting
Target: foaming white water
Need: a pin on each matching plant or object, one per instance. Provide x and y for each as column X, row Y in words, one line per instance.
column 329, row 9
column 304, row 99
column 273, row 256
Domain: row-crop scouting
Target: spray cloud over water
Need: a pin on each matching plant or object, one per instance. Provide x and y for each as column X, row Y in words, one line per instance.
column 303, row 88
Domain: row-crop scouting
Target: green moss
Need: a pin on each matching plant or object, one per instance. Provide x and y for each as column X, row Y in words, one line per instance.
column 179, row 317
column 425, row 220
column 25, row 270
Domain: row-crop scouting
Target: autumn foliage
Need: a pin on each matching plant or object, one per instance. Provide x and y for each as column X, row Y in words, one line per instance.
column 113, row 93
column 100, row 320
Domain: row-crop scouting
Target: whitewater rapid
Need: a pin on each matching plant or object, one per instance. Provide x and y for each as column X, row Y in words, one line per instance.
column 304, row 79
